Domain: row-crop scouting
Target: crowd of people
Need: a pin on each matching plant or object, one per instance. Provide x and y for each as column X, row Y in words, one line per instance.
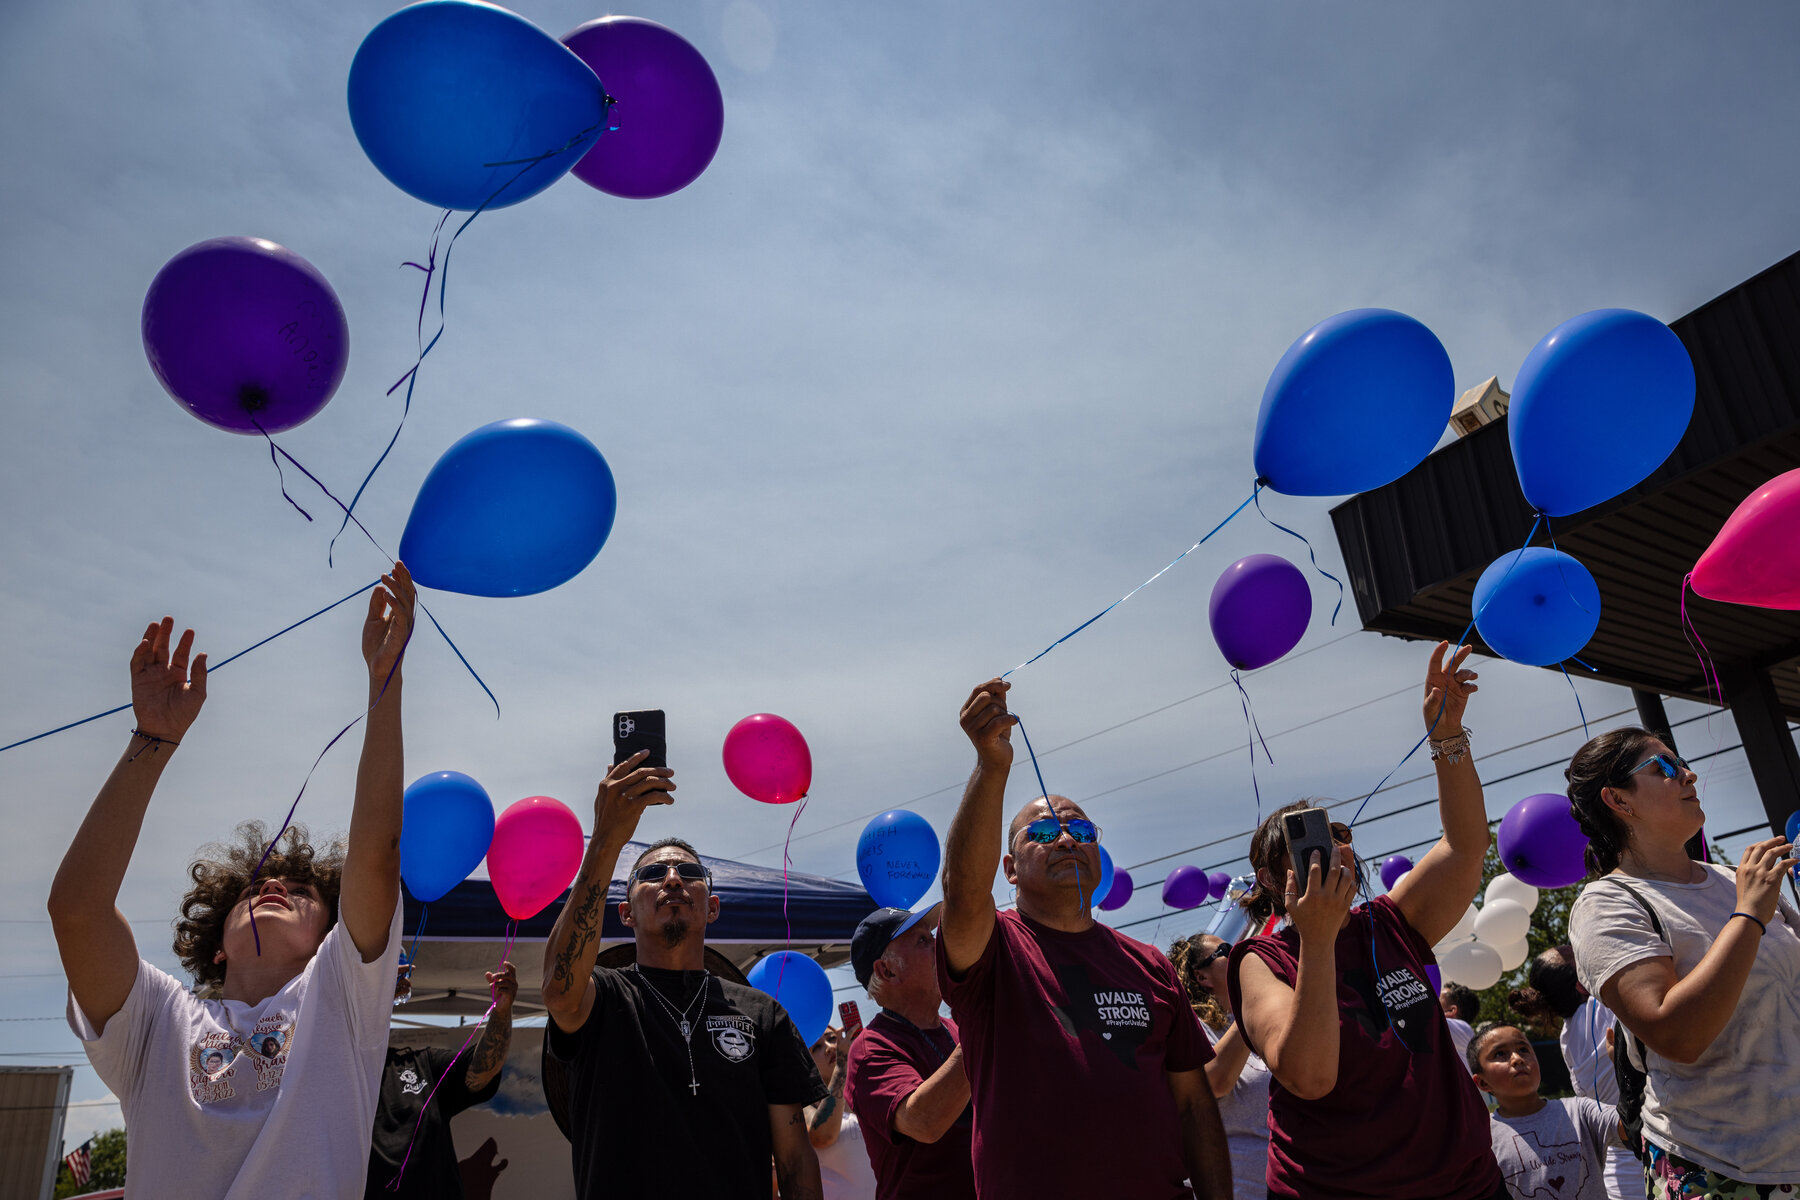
column 1311, row 1059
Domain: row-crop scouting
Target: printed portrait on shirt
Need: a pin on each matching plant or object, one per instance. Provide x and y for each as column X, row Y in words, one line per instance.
column 211, row 1062
column 269, row 1044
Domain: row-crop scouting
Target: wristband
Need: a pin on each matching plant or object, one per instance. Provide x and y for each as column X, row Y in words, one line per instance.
column 1748, row 917
column 1450, row 749
column 151, row 743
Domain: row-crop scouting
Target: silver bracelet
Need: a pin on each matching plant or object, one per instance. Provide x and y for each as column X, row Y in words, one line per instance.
column 1451, row 749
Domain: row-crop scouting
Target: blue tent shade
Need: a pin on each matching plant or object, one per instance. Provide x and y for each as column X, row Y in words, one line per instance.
column 820, row 909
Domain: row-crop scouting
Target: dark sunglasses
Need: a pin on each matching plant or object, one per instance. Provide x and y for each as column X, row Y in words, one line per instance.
column 656, row 872
column 1671, row 765
column 1045, row 830
column 1221, row 952
column 1340, row 833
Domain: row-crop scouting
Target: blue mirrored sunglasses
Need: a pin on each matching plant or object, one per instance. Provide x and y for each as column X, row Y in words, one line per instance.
column 1671, row 765
column 1045, row 830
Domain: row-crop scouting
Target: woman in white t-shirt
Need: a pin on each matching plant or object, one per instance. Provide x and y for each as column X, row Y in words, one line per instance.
column 1555, row 991
column 1239, row 1079
column 1714, row 994
column 845, row 1171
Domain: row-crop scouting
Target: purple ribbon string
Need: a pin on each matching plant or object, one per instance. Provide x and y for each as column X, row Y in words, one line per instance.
column 1253, row 732
column 1691, row 633
column 787, row 862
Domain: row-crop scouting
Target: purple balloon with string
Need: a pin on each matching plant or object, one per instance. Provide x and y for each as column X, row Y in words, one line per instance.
column 1540, row 842
column 1120, row 894
column 1186, row 887
column 1259, row 611
column 1392, row 868
column 245, row 334
column 1218, row 883
column 670, row 113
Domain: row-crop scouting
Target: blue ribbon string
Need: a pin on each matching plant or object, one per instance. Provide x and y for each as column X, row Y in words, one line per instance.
column 1045, row 792
column 411, row 377
column 1309, row 554
column 1140, row 587
column 1578, row 709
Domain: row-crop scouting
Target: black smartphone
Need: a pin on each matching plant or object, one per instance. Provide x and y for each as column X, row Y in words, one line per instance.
column 1309, row 840
column 634, row 731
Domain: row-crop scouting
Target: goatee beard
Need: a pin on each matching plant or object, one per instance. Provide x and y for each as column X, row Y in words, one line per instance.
column 675, row 932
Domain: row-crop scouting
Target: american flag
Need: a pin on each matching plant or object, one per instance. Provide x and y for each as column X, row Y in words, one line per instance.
column 80, row 1163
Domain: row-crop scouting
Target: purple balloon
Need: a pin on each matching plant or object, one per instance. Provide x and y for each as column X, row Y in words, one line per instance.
column 1218, row 883
column 1437, row 978
column 1260, row 609
column 1393, row 868
column 1120, row 895
column 670, row 113
column 1186, row 887
column 244, row 333
column 1540, row 842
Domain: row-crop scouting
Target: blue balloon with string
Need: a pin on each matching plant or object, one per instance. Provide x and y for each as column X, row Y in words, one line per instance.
column 897, row 858
column 447, row 823
column 1356, row 403
column 800, row 985
column 452, row 99
column 1103, row 889
column 1537, row 606
column 1793, row 829
column 512, row 509
column 1598, row 404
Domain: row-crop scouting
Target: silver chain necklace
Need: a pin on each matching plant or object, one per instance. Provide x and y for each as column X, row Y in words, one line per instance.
column 681, row 1019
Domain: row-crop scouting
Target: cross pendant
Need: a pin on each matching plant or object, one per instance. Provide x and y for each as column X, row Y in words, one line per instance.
column 694, row 1087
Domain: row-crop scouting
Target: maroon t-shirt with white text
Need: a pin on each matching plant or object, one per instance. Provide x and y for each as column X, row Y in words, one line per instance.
column 1404, row 1121
column 888, row 1061
column 1066, row 1037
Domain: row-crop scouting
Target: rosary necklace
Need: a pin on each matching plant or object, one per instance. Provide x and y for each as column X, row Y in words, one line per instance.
column 681, row 1020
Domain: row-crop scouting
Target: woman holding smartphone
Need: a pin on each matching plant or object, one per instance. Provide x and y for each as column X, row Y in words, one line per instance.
column 1369, row 1096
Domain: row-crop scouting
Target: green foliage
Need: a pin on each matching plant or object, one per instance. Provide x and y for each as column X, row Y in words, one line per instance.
column 108, row 1154
column 1549, row 927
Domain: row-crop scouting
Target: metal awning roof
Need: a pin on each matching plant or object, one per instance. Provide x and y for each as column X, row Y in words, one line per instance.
column 1414, row 548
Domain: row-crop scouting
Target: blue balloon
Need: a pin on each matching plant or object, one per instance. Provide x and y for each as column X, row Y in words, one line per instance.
column 1793, row 829
column 1356, row 403
column 514, row 508
column 451, row 98
column 1536, row 606
column 1104, row 888
column 446, row 826
column 897, row 857
column 1596, row 407
column 800, row 985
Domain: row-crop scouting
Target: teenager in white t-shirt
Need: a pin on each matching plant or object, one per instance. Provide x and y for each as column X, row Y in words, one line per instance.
column 268, row 1086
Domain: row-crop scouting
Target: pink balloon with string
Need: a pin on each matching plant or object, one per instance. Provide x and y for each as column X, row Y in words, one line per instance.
column 1755, row 559
column 535, row 853
column 768, row 760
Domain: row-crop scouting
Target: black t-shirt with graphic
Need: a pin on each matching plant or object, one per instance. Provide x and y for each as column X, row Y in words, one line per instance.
column 640, row 1124
column 406, row 1080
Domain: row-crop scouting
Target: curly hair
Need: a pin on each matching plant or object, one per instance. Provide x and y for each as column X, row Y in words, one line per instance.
column 1604, row 762
column 225, row 869
column 1186, row 954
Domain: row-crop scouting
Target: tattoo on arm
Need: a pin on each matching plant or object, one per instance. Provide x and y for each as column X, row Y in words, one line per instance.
column 823, row 1111
column 490, row 1051
column 584, row 927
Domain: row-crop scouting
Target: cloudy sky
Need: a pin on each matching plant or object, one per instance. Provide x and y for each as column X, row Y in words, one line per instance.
column 961, row 336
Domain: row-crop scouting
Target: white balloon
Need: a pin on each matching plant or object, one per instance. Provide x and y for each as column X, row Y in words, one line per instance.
column 1465, row 926
column 1472, row 964
column 1513, row 955
column 1502, row 922
column 1511, row 887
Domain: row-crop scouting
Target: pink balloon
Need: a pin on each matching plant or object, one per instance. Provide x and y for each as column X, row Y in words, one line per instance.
column 1755, row 559
column 534, row 855
column 767, row 759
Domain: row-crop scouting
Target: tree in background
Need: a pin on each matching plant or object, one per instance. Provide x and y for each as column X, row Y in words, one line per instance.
column 1549, row 927
column 108, row 1154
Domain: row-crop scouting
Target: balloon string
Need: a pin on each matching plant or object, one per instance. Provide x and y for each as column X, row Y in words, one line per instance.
column 412, row 955
column 459, row 658
column 1462, row 640
column 210, row 669
column 280, row 476
column 1140, row 587
column 787, row 862
column 1309, row 553
column 1579, row 711
column 411, row 377
column 1548, row 528
column 1252, row 732
column 289, row 819
column 1042, row 790
column 1691, row 633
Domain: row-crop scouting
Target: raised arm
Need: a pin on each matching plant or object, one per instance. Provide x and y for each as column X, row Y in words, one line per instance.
column 496, row 1039
column 574, row 943
column 99, row 955
column 932, row 1108
column 1678, row 1016
column 1204, row 1150
column 1231, row 1053
column 825, row 1120
column 372, row 860
column 1435, row 894
column 1295, row 1029
column 972, row 851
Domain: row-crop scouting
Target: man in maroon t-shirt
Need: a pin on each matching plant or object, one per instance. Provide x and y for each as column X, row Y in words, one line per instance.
column 907, row 1085
column 1085, row 1059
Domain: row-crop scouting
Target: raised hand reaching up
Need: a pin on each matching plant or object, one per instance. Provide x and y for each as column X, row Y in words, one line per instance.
column 166, row 692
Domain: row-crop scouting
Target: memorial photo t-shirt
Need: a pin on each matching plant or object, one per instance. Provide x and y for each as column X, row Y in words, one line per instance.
column 1068, row 1036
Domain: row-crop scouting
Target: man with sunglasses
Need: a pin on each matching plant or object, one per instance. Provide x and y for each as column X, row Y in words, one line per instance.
column 1066, row 1024
column 675, row 1075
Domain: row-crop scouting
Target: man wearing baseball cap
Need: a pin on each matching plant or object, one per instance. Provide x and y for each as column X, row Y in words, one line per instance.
column 906, row 1082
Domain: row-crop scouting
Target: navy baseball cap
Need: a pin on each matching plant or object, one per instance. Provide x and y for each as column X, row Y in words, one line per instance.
column 877, row 930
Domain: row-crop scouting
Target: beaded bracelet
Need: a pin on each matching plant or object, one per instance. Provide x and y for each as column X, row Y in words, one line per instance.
column 151, row 742
column 1451, row 749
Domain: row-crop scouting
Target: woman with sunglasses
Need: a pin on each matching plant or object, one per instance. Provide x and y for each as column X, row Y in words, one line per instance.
column 1369, row 1097
column 1700, row 963
column 1239, row 1079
